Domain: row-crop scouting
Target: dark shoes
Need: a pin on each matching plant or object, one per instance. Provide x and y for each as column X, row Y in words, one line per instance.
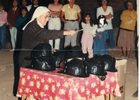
column 135, row 94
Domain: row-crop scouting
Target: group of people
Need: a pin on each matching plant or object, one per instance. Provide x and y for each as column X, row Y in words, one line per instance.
column 96, row 37
column 30, row 20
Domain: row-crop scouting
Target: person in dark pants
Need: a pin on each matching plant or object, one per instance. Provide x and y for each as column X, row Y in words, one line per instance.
column 34, row 33
column 20, row 23
column 3, row 23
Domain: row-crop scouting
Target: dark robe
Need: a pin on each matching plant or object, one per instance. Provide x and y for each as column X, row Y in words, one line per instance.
column 32, row 36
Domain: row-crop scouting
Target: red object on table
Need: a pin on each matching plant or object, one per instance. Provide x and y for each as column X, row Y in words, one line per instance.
column 57, row 86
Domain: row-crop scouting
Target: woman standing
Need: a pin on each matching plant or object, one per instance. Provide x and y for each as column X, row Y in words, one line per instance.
column 107, row 11
column 13, row 14
column 126, row 38
column 23, row 3
column 55, row 22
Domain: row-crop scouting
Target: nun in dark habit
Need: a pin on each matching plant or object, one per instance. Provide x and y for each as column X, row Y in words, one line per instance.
column 35, row 33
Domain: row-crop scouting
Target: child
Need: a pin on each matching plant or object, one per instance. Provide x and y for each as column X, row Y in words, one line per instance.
column 87, row 37
column 22, row 17
column 100, row 44
column 20, row 22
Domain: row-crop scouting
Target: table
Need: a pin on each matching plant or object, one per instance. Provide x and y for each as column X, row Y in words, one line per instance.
column 57, row 86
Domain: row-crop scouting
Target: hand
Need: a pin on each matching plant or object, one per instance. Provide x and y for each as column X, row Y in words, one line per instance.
column 110, row 14
column 6, row 23
column 65, row 22
column 100, row 36
column 69, row 32
column 10, row 26
column 107, row 16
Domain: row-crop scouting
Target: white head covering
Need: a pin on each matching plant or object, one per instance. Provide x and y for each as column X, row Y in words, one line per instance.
column 38, row 12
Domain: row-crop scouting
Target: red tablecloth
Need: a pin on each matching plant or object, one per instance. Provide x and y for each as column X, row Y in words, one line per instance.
column 57, row 86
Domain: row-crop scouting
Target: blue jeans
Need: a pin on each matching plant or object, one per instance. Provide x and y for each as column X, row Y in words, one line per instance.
column 111, row 38
column 2, row 36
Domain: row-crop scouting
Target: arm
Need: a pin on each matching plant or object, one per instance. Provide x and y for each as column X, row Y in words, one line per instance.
column 8, row 18
column 93, row 32
column 38, row 33
column 54, row 34
column 100, row 36
column 110, row 15
column 17, row 13
column 125, row 17
column 83, row 25
column 6, row 22
column 79, row 17
column 61, row 16
column 49, row 6
column 133, row 18
column 133, row 15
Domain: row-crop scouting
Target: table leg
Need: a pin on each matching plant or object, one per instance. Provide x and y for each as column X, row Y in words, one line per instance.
column 106, row 97
column 111, row 96
column 23, row 97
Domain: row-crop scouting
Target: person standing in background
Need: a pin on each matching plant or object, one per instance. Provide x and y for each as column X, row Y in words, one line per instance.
column 23, row 3
column 31, row 8
column 21, row 18
column 107, row 11
column 87, row 36
column 13, row 14
column 72, row 19
column 55, row 22
column 3, row 23
column 126, row 36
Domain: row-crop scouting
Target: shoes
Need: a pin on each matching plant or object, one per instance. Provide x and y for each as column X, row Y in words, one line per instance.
column 135, row 94
column 12, row 49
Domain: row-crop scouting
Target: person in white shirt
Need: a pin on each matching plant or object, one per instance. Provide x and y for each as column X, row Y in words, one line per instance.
column 107, row 11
